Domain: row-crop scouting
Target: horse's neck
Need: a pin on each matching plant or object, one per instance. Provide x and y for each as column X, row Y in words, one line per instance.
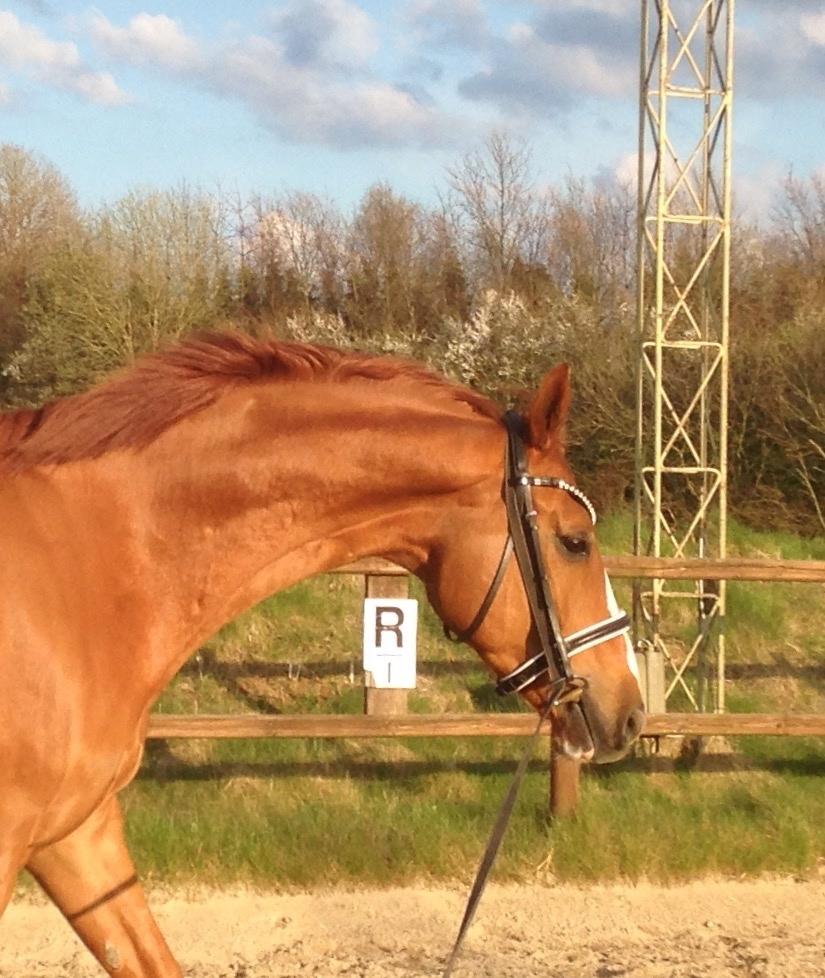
column 268, row 488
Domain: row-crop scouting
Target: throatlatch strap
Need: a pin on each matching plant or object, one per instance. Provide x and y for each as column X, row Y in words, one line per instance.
column 489, row 597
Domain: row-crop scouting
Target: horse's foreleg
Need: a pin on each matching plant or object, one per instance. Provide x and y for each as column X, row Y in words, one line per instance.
column 91, row 877
column 8, row 876
column 13, row 848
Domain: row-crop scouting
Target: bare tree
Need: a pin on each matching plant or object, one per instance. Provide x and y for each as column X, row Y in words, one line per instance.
column 591, row 248
column 153, row 266
column 295, row 248
column 38, row 213
column 385, row 253
column 37, row 208
column 799, row 219
column 443, row 290
column 495, row 204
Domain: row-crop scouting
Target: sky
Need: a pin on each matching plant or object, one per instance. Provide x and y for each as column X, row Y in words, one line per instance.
column 331, row 96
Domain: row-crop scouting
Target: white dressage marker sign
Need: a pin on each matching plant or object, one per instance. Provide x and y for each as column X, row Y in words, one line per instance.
column 390, row 630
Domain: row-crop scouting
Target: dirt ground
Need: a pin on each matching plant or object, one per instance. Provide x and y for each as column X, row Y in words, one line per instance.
column 763, row 929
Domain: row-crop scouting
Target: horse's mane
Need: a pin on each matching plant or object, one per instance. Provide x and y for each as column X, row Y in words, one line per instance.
column 136, row 405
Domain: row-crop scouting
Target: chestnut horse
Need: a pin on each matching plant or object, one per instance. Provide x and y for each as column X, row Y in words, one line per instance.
column 139, row 517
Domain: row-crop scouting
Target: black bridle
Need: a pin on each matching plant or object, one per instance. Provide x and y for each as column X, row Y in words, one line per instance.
column 523, row 541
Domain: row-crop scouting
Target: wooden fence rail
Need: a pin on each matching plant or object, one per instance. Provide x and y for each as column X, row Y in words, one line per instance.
column 731, row 569
column 466, row 725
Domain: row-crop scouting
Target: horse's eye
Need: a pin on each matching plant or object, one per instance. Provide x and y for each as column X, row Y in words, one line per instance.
column 575, row 546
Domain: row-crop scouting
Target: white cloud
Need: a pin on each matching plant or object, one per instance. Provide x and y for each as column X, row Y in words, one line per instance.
column 147, row 39
column 99, row 87
column 22, row 46
column 813, row 27
column 528, row 73
column 448, row 23
column 333, row 33
column 58, row 63
column 615, row 8
column 565, row 49
column 312, row 105
column 626, row 168
column 755, row 193
column 309, row 79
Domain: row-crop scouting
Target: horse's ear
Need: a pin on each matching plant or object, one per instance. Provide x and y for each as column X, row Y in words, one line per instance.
column 547, row 414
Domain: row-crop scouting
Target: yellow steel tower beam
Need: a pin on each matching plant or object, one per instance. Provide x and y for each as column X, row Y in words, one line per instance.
column 684, row 204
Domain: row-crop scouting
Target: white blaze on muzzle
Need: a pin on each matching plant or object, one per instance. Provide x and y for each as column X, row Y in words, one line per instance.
column 613, row 608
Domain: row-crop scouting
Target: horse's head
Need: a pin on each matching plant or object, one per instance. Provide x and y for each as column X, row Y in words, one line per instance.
column 484, row 595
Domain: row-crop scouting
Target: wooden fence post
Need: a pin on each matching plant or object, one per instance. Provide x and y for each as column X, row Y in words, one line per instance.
column 564, row 784
column 384, row 702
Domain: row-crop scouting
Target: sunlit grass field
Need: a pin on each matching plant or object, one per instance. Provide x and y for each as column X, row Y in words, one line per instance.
column 290, row 814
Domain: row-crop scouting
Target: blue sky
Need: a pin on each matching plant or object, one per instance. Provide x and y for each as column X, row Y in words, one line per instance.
column 331, row 96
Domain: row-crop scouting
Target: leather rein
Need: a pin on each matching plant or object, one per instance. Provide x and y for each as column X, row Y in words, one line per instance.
column 523, row 541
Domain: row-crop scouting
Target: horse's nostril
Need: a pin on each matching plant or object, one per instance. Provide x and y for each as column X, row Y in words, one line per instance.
column 633, row 726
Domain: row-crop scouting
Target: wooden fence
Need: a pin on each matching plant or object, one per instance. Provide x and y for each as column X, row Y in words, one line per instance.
column 731, row 569
column 326, row 726
column 387, row 707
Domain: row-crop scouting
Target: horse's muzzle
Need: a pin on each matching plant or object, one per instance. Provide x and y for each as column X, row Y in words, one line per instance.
column 582, row 730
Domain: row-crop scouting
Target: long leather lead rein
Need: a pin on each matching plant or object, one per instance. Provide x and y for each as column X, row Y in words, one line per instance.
column 494, row 843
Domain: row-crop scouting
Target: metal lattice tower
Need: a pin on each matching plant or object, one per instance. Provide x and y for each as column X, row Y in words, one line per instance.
column 686, row 88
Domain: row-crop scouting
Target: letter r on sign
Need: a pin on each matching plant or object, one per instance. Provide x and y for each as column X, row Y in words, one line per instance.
column 388, row 620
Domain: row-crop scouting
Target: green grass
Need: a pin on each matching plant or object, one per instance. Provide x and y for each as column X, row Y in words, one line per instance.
column 299, row 813
column 295, row 814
